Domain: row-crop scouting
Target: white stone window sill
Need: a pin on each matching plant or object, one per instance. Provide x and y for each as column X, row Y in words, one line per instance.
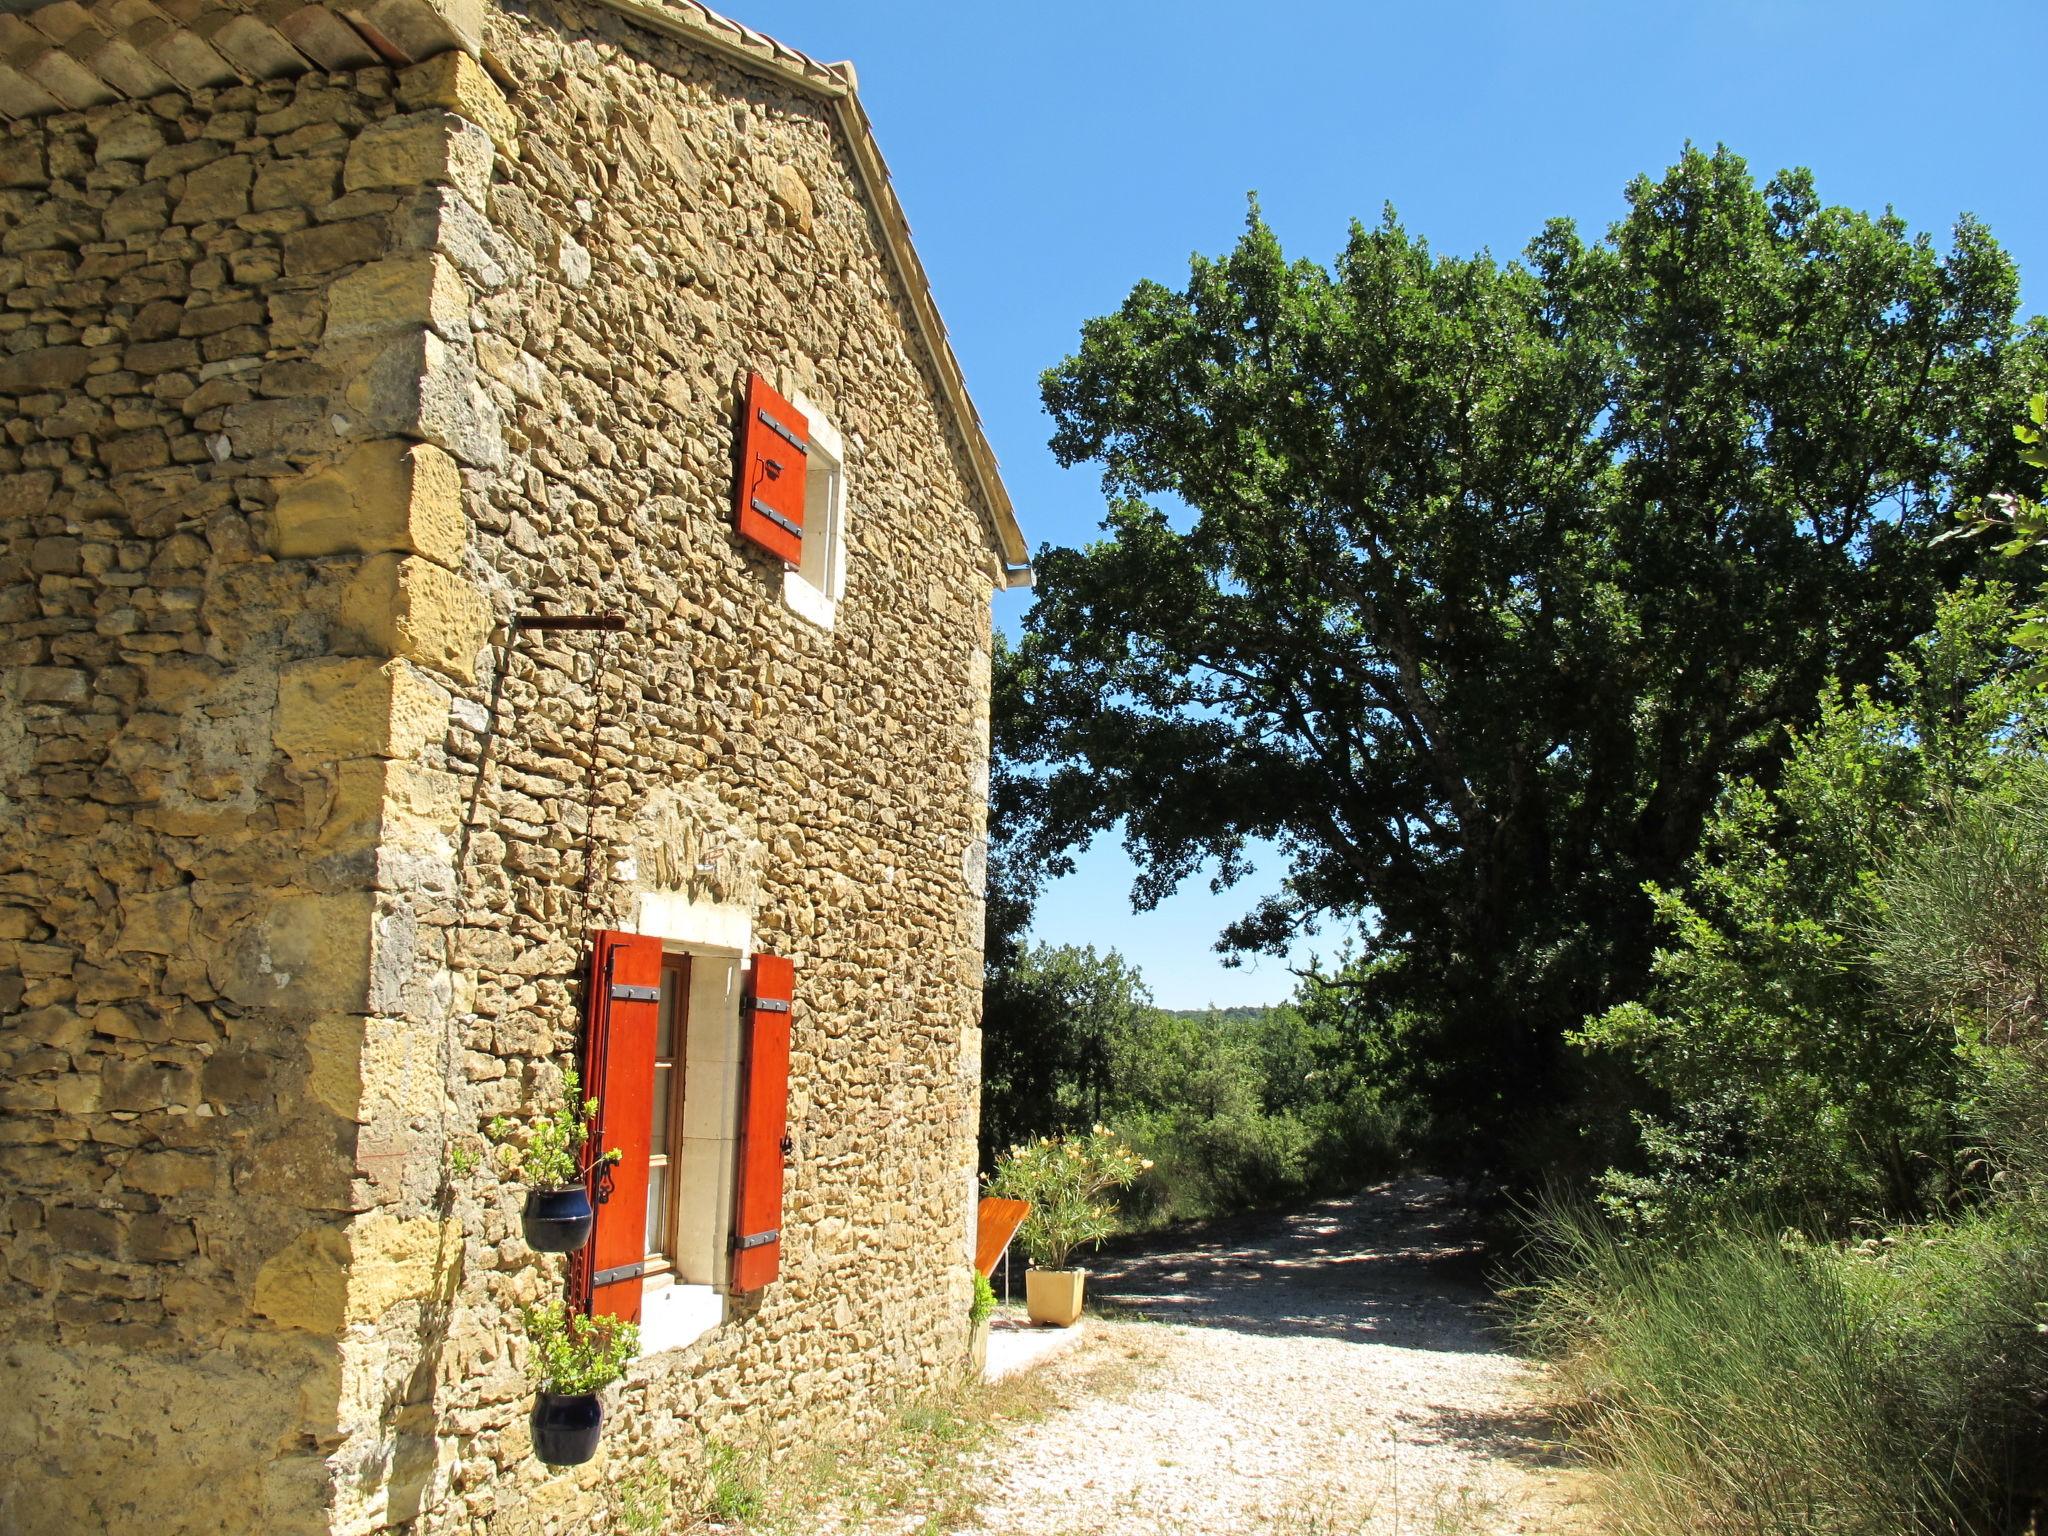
column 676, row 1315
column 806, row 601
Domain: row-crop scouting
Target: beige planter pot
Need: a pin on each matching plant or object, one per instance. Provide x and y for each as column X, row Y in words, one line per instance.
column 1054, row 1295
column 977, row 1350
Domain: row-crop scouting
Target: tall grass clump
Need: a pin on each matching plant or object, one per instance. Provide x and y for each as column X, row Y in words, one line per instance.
column 1745, row 1380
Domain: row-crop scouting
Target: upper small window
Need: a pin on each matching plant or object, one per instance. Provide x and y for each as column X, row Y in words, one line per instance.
column 813, row 587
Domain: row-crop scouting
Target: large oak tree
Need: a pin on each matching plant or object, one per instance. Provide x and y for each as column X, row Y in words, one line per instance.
column 1464, row 582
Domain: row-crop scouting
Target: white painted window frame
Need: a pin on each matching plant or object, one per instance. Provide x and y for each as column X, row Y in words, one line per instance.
column 718, row 939
column 813, row 589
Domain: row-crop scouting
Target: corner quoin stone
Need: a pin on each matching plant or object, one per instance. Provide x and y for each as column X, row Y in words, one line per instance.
column 338, row 707
column 422, row 149
column 398, row 293
column 459, row 84
column 391, row 495
column 415, row 609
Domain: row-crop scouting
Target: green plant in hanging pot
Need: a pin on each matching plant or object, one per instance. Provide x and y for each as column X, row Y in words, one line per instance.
column 546, row 1155
column 1065, row 1179
column 573, row 1358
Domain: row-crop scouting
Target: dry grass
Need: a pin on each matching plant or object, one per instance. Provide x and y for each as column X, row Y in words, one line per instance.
column 913, row 1475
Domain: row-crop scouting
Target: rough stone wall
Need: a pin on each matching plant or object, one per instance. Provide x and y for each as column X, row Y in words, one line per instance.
column 672, row 224
column 224, row 525
column 313, row 388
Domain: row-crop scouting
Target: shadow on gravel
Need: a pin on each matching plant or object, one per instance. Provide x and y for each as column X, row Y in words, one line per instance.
column 1395, row 1264
column 1526, row 1436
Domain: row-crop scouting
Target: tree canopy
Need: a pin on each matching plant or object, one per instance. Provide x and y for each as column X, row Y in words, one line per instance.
column 1466, row 582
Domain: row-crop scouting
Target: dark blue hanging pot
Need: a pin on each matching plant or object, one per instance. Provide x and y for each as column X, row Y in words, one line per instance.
column 557, row 1220
column 565, row 1427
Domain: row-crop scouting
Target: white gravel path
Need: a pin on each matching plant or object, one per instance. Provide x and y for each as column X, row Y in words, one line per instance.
column 1326, row 1373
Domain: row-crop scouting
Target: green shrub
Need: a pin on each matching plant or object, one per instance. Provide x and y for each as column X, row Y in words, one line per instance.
column 1746, row 1380
column 984, row 1304
column 1065, row 1179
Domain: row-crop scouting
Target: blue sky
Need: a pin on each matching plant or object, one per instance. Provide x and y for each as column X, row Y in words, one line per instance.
column 1051, row 155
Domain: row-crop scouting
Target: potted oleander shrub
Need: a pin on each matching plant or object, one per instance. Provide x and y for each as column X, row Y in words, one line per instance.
column 1065, row 1178
column 546, row 1155
column 573, row 1359
column 978, row 1314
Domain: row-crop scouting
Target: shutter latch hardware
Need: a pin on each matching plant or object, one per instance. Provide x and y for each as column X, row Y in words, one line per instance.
column 623, row 993
column 758, row 1239
column 771, row 1004
column 621, row 1272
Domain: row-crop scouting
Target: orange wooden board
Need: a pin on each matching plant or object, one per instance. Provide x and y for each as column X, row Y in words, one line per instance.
column 994, row 1226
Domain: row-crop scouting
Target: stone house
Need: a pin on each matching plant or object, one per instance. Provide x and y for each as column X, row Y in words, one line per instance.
column 486, row 501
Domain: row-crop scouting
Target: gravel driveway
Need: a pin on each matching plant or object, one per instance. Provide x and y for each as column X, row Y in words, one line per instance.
column 1326, row 1373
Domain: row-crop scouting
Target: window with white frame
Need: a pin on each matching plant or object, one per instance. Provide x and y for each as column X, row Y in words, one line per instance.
column 813, row 587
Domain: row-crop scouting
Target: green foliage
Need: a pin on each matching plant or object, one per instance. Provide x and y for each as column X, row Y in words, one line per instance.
column 1792, row 1078
column 1751, row 1381
column 1065, row 1179
column 735, row 1488
column 462, row 1160
column 1965, row 936
column 573, row 1353
column 549, row 1157
column 984, row 1304
column 1056, row 1021
column 2019, row 523
column 642, row 1500
column 1250, row 1107
column 1235, row 1107
column 1466, row 583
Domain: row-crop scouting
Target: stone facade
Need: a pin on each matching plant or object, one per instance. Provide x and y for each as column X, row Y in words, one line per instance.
column 312, row 386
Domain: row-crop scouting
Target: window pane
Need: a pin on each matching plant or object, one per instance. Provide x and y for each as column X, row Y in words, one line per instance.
column 657, row 1209
column 664, row 1082
column 671, row 1005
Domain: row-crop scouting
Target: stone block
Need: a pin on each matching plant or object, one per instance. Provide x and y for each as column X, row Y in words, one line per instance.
column 169, row 1173
column 311, row 182
column 52, row 685
column 396, row 496
column 216, row 191
column 305, row 1283
column 397, row 293
column 83, row 1231
column 334, row 1049
column 395, row 1258
column 303, row 952
column 329, row 247
column 21, row 162
column 333, row 708
column 422, row 149
column 158, row 1239
column 157, row 922
column 408, row 607
column 26, row 495
column 420, row 386
column 133, row 135
column 140, row 210
column 460, row 84
column 44, row 368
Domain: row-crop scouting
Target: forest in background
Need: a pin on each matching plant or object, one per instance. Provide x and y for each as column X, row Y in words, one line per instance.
column 1591, row 635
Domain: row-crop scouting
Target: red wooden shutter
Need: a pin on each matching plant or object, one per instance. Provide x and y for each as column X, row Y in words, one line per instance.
column 774, row 439
column 764, row 1118
column 618, row 1068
